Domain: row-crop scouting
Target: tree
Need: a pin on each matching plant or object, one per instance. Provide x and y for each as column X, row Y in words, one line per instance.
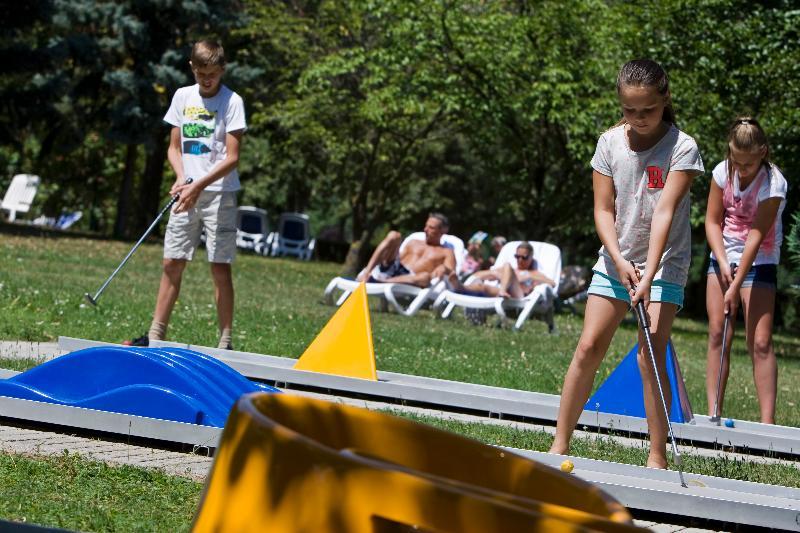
column 353, row 124
column 110, row 67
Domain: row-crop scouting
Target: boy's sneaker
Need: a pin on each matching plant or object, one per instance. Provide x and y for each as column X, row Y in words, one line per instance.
column 144, row 340
column 228, row 346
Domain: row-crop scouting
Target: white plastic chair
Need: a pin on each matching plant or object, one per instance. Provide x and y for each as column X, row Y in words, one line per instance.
column 294, row 237
column 393, row 293
column 20, row 194
column 252, row 230
column 540, row 302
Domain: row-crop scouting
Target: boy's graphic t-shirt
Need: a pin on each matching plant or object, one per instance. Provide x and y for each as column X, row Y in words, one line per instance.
column 639, row 178
column 204, row 122
column 740, row 212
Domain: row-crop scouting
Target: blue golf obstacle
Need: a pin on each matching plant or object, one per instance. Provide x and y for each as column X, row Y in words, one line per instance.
column 164, row 383
column 621, row 393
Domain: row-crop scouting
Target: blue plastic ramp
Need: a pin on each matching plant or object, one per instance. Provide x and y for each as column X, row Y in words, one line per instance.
column 164, row 383
column 621, row 393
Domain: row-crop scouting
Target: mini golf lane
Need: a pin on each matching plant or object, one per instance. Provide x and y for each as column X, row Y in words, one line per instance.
column 709, row 498
column 745, row 437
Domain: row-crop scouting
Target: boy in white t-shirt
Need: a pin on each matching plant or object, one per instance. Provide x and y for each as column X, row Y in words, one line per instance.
column 208, row 122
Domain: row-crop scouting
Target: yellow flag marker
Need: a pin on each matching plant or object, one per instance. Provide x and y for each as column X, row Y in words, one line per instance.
column 344, row 346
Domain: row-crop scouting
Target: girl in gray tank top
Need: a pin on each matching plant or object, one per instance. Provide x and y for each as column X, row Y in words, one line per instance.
column 642, row 170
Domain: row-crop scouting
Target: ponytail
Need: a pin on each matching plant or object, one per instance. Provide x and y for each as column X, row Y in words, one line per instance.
column 747, row 135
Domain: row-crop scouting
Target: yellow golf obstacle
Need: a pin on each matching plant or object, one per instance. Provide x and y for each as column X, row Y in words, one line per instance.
column 344, row 346
column 288, row 463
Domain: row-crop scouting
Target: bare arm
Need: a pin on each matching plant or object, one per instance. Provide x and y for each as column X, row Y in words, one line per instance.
column 174, row 157
column 765, row 217
column 450, row 260
column 447, row 267
column 538, row 277
column 190, row 193
column 714, row 213
column 677, row 186
column 604, row 222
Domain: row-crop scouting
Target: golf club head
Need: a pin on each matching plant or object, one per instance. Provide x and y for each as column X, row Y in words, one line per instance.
column 90, row 299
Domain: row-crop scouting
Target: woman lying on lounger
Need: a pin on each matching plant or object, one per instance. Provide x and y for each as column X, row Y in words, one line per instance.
column 514, row 282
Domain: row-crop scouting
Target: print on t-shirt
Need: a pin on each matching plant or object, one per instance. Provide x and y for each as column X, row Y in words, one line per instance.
column 655, row 177
column 198, row 125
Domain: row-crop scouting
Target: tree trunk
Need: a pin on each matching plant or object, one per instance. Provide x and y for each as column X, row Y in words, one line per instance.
column 124, row 198
column 150, row 198
column 358, row 255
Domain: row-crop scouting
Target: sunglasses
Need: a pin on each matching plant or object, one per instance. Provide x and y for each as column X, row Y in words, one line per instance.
column 522, row 257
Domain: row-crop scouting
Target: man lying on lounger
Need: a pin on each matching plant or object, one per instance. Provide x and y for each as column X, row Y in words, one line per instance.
column 417, row 263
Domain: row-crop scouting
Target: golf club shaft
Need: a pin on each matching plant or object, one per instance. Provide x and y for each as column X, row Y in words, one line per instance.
column 642, row 315
column 717, row 414
column 138, row 243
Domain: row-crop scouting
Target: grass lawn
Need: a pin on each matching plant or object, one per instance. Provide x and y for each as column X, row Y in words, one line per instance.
column 278, row 312
column 77, row 494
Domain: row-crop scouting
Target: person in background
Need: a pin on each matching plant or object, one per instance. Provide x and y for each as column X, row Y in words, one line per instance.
column 473, row 261
column 418, row 263
column 497, row 244
column 509, row 281
column 744, row 230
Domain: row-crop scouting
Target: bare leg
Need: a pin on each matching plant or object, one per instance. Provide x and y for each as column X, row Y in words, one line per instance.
column 385, row 253
column 223, row 294
column 661, row 317
column 478, row 285
column 169, row 289
column 716, row 318
column 423, row 279
column 759, row 310
column 602, row 318
column 486, row 274
column 509, row 284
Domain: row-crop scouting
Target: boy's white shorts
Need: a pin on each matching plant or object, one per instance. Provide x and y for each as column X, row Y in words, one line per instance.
column 216, row 212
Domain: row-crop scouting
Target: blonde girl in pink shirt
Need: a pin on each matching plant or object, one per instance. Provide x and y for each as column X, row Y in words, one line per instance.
column 744, row 229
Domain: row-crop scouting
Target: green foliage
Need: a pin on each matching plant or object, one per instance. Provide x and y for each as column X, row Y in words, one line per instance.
column 369, row 114
column 793, row 243
column 88, row 77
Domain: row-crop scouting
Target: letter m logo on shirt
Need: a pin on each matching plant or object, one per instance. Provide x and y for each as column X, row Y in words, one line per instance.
column 655, row 177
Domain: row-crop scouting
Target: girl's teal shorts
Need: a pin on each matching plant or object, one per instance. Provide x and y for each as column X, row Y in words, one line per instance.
column 661, row 291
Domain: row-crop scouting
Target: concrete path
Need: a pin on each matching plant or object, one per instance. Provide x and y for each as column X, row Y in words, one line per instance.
column 38, row 351
column 34, row 443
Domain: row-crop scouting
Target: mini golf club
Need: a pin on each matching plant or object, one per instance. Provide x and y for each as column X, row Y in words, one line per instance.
column 93, row 299
column 717, row 415
column 643, row 323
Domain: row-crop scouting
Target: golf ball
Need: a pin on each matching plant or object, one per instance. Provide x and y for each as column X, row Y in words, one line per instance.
column 729, row 423
column 567, row 466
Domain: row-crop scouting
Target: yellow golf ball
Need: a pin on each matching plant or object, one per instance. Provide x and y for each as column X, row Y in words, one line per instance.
column 567, row 466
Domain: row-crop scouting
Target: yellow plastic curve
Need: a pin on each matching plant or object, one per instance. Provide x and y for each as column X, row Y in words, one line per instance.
column 289, row 463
